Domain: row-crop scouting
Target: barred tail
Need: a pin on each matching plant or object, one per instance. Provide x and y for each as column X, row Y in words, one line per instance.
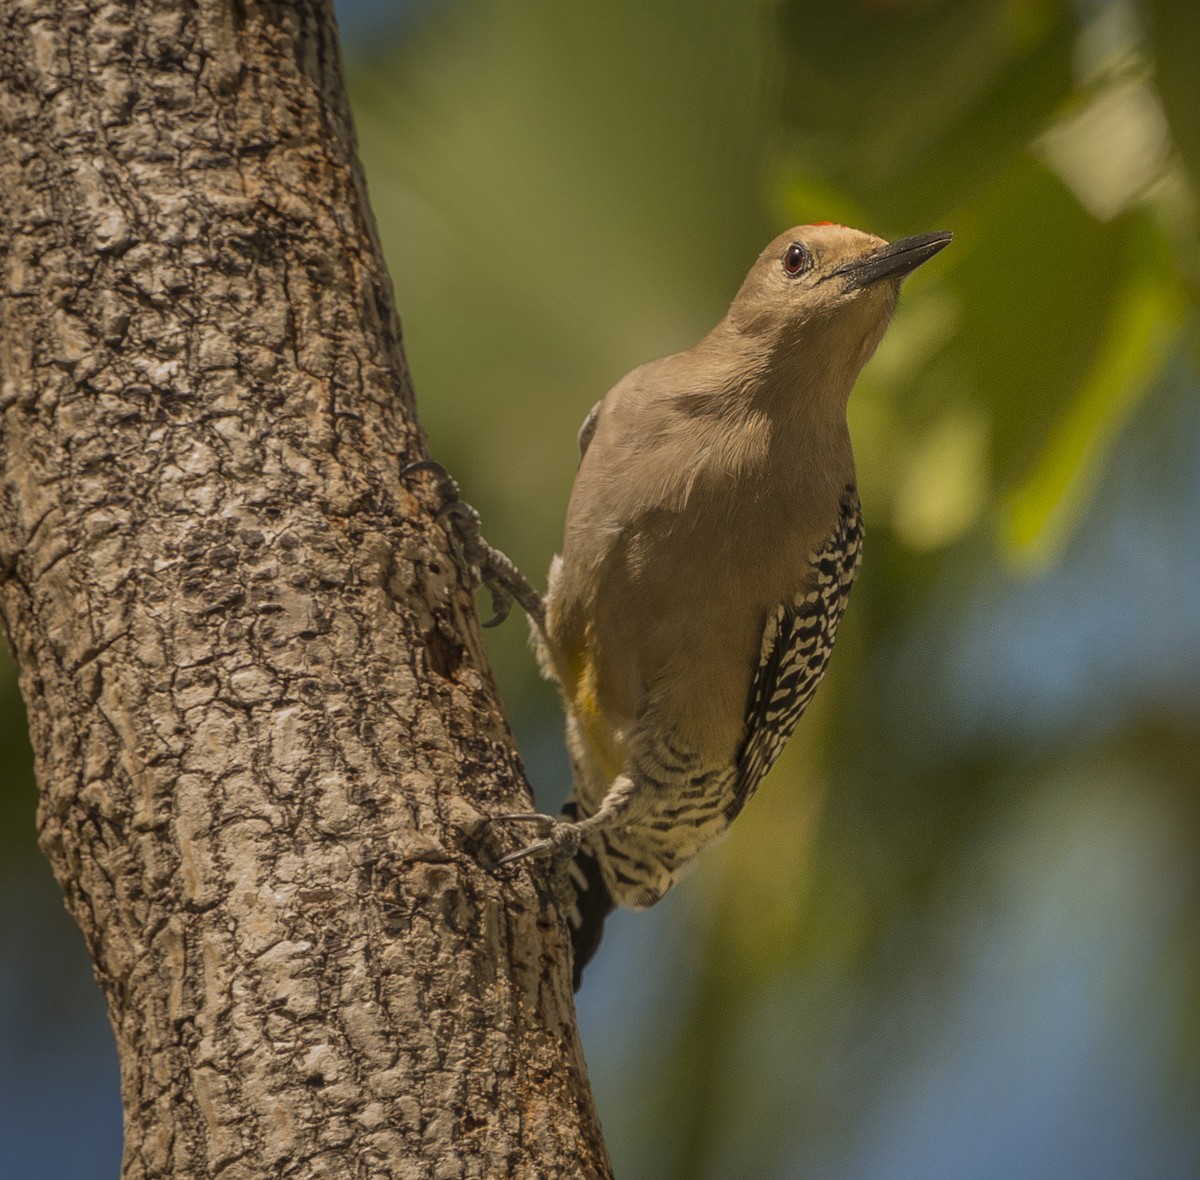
column 590, row 902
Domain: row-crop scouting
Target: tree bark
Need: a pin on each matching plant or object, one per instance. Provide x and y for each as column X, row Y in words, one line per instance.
column 261, row 712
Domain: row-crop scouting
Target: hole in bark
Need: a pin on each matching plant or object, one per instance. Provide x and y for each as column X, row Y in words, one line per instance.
column 444, row 655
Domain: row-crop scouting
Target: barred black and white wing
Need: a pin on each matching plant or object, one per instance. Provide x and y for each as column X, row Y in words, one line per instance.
column 796, row 644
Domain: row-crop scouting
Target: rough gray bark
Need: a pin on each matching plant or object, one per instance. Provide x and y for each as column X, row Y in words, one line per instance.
column 261, row 713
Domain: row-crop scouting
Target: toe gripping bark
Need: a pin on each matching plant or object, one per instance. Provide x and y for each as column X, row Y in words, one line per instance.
column 489, row 566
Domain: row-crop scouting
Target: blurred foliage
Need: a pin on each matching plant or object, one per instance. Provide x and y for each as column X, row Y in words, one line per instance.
column 958, row 932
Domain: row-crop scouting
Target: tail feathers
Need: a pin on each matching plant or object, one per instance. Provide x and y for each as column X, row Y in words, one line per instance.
column 590, row 902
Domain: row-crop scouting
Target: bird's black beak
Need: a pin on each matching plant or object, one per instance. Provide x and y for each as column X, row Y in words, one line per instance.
column 894, row 260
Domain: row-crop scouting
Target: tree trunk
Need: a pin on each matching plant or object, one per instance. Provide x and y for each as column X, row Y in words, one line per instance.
column 260, row 708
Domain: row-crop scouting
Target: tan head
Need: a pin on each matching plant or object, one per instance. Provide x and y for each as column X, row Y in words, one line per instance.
column 827, row 292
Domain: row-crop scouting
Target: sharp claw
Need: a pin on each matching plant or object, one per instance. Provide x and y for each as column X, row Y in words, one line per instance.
column 539, row 847
column 502, row 605
column 447, row 485
column 534, row 849
column 425, row 465
column 518, row 817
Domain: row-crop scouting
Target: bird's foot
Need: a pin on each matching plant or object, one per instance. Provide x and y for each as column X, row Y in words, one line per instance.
column 491, row 568
column 559, row 838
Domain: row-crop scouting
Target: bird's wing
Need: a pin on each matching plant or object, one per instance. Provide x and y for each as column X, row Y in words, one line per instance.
column 796, row 644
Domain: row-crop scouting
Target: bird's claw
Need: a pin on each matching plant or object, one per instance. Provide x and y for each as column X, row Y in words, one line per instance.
column 501, row 605
column 467, row 530
column 447, row 485
column 520, row 817
column 560, row 838
column 534, row 849
column 489, row 567
column 465, row 525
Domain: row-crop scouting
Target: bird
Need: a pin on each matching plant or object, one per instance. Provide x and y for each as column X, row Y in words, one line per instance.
column 712, row 538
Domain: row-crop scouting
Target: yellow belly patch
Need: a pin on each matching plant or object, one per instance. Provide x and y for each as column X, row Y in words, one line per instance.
column 604, row 744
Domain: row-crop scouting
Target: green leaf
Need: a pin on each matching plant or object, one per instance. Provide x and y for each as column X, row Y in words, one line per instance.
column 1144, row 324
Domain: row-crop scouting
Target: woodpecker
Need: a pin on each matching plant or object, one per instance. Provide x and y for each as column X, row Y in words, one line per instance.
column 711, row 541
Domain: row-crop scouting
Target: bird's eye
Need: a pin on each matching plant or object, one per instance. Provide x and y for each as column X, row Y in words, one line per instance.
column 796, row 259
